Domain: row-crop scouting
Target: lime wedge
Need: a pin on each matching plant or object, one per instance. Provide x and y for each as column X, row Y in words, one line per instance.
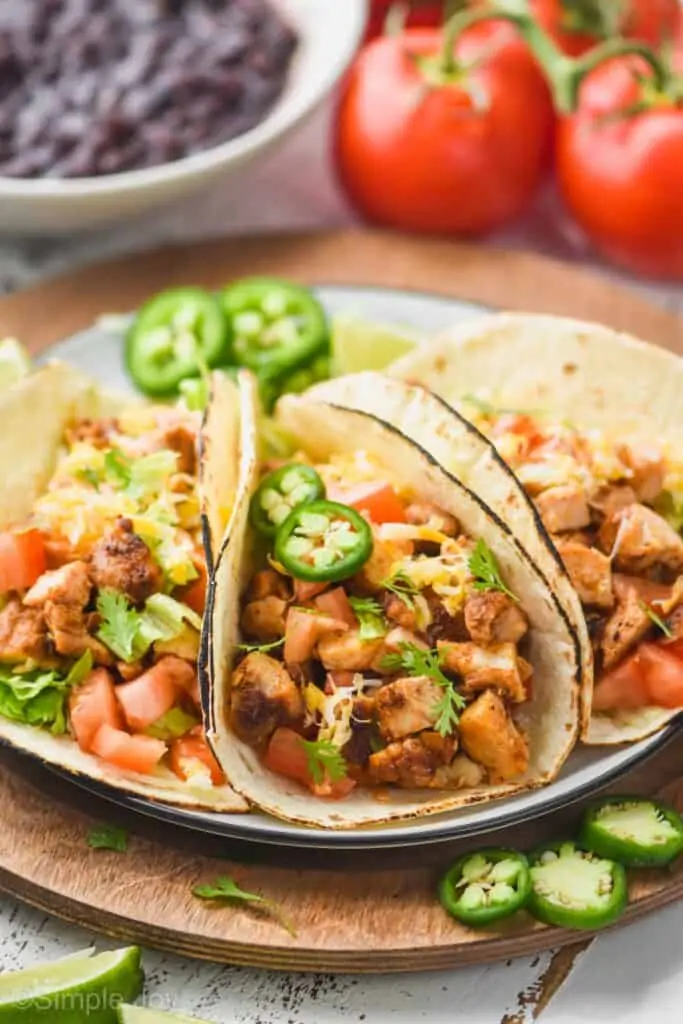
column 83, row 989
column 15, row 362
column 358, row 345
column 139, row 1015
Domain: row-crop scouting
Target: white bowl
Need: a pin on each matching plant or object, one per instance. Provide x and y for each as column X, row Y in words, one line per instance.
column 329, row 31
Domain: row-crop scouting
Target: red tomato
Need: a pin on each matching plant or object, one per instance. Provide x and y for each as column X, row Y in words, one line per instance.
column 93, row 704
column 624, row 687
column 663, row 671
column 286, row 756
column 377, row 499
column 620, row 174
column 145, row 699
column 463, row 153
column 130, row 753
column 420, row 15
column 194, row 594
column 577, row 25
column 304, row 591
column 189, row 750
column 22, row 559
column 335, row 603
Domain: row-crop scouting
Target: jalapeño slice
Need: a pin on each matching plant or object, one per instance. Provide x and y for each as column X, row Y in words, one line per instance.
column 636, row 832
column 573, row 888
column 277, row 326
column 323, row 541
column 282, row 491
column 486, row 886
column 173, row 336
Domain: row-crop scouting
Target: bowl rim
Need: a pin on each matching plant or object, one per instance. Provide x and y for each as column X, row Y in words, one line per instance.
column 295, row 103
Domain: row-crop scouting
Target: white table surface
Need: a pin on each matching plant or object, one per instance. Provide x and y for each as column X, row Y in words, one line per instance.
column 632, row 976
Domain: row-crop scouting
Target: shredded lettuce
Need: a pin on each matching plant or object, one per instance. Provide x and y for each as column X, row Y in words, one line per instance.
column 171, row 726
column 38, row 697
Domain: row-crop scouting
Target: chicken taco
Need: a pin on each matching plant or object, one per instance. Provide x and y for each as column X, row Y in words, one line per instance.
column 103, row 580
column 589, row 421
column 393, row 651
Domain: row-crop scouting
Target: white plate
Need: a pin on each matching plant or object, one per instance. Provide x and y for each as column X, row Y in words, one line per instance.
column 587, row 769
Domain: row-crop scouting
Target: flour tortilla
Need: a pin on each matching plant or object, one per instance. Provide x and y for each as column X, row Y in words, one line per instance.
column 550, row 718
column 588, row 373
column 34, row 414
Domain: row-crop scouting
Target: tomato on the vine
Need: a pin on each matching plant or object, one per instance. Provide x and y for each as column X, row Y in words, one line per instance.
column 422, row 15
column 457, row 146
column 577, row 25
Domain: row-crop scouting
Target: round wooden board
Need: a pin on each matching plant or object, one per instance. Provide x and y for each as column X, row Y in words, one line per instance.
column 358, row 911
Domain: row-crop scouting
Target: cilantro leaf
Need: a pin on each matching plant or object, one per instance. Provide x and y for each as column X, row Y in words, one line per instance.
column 108, row 837
column 402, row 587
column 324, row 761
column 249, row 648
column 120, row 625
column 483, row 565
column 225, row 888
column 370, row 616
column 658, row 621
column 416, row 661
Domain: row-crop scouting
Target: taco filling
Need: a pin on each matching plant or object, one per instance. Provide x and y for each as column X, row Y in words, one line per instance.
column 381, row 644
column 103, row 590
column 613, row 506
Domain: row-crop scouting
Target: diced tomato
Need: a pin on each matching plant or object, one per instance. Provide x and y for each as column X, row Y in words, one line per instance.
column 151, row 695
column 335, row 603
column 304, row 591
column 93, row 704
column 377, row 499
column 194, row 594
column 22, row 559
column 624, row 687
column 286, row 756
column 303, row 629
column 189, row 750
column 663, row 672
column 130, row 753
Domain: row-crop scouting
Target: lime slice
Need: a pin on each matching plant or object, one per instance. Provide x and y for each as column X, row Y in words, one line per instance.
column 83, row 989
column 358, row 345
column 139, row 1015
column 15, row 362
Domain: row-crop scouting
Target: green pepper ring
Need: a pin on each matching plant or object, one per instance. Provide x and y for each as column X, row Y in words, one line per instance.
column 258, row 516
column 247, row 294
column 159, row 379
column 479, row 917
column 586, row 918
column 593, row 836
column 342, row 569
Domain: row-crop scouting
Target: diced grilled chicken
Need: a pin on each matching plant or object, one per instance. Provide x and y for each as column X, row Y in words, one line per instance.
column 636, row 538
column 122, row 561
column 421, row 513
column 609, row 499
column 268, row 583
column 499, row 667
column 386, row 554
column 68, row 585
column 411, row 763
column 97, row 433
column 347, row 652
column 490, row 737
column 264, row 619
column 630, row 620
column 563, row 508
column 407, row 706
column 444, row 626
column 396, row 610
column 69, row 627
column 182, row 440
column 461, row 773
column 23, row 635
column 492, row 617
column 398, row 636
column 264, row 696
column 648, row 469
column 590, row 571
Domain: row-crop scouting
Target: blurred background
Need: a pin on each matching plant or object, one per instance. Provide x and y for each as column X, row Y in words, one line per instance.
column 125, row 124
